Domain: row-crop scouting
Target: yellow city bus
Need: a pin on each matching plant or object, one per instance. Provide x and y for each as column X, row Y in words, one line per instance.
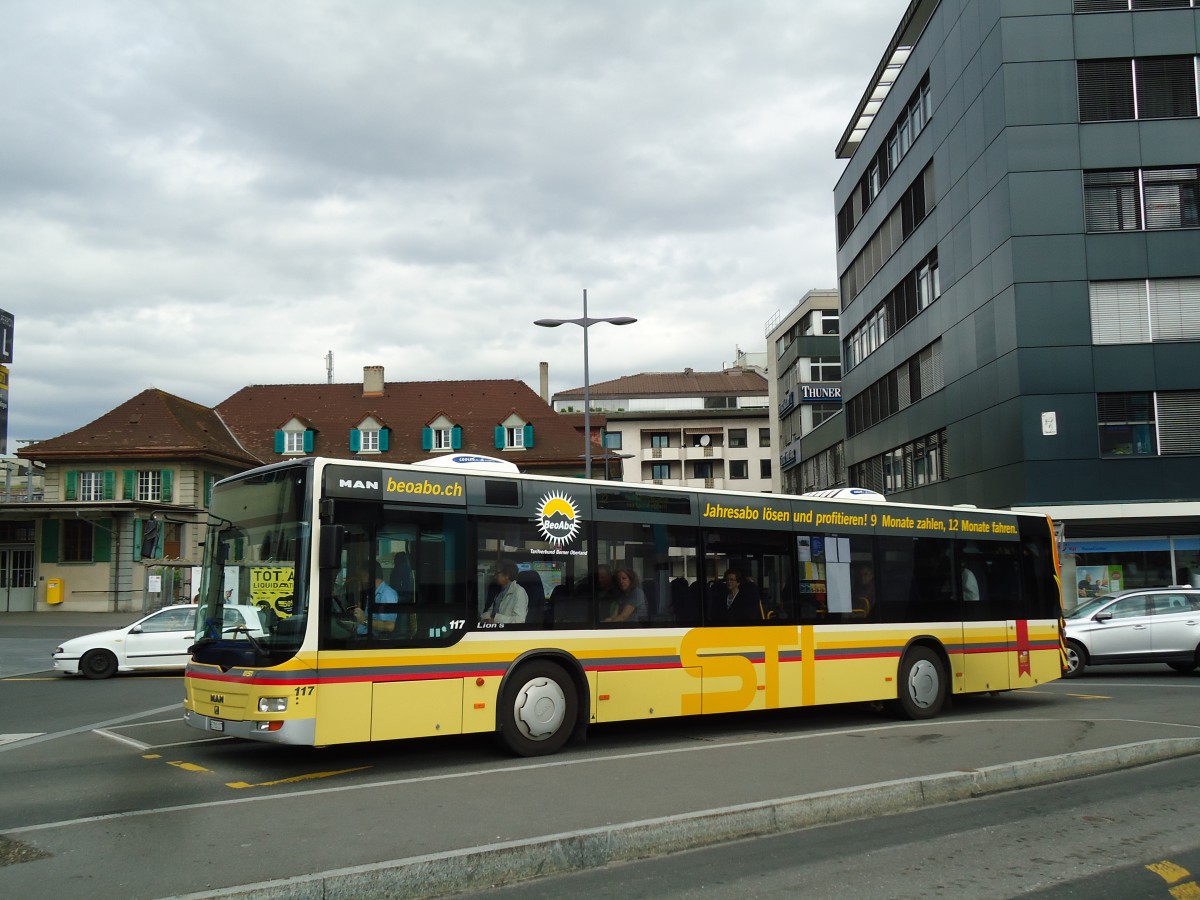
column 459, row 596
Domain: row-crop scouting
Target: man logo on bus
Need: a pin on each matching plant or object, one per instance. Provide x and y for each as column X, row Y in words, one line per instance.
column 557, row 518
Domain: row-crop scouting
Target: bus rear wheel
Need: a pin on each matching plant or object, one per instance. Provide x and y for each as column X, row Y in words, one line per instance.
column 537, row 709
column 922, row 684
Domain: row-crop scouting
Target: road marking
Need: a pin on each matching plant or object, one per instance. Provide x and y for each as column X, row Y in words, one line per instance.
column 1089, row 696
column 189, row 767
column 1168, row 871
column 238, row 785
column 122, row 739
column 83, row 729
column 9, row 738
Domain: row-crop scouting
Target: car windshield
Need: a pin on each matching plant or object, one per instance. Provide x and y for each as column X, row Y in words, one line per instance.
column 1090, row 607
column 256, row 559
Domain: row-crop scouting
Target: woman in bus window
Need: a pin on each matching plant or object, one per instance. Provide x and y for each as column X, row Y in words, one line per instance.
column 630, row 604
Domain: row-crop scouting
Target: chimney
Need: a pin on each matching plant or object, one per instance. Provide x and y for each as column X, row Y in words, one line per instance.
column 544, row 370
column 372, row 381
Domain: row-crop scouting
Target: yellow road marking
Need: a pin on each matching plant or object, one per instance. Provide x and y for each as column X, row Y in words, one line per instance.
column 151, row 756
column 188, row 767
column 239, row 785
column 1187, row 891
column 1168, row 871
column 1090, row 696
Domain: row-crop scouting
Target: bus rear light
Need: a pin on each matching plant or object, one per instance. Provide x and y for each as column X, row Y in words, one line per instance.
column 267, row 726
column 272, row 704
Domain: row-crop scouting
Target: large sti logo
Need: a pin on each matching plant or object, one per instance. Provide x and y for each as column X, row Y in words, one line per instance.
column 557, row 518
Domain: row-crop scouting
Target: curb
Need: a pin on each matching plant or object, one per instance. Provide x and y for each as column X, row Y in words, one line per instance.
column 495, row 865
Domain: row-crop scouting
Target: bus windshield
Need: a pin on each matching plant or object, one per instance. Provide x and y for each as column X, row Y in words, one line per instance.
column 255, row 559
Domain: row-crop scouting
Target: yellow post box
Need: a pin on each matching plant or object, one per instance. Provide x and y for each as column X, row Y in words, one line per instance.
column 54, row 590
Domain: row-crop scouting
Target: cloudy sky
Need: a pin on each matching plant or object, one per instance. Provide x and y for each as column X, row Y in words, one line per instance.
column 197, row 196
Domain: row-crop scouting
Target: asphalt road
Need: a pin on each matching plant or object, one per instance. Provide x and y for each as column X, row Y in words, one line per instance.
column 126, row 802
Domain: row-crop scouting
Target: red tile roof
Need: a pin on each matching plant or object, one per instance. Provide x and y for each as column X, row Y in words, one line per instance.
column 255, row 412
column 730, row 382
column 152, row 425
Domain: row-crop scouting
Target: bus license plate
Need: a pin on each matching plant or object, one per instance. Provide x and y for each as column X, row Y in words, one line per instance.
column 216, row 725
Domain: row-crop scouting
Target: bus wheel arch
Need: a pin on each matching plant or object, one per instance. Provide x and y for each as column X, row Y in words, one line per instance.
column 543, row 701
column 922, row 682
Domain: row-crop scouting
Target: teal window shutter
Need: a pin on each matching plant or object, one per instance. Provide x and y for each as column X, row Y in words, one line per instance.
column 308, row 440
column 456, row 437
column 280, row 442
column 383, row 438
column 110, row 485
column 71, row 486
column 137, row 540
column 426, row 438
column 130, row 484
column 355, row 440
column 528, row 437
column 50, row 529
column 209, row 480
column 499, row 437
column 168, row 479
column 102, row 541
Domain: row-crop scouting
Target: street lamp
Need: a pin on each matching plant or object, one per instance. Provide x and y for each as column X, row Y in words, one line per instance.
column 586, row 323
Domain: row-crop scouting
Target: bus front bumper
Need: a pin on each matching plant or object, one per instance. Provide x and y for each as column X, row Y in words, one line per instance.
column 289, row 731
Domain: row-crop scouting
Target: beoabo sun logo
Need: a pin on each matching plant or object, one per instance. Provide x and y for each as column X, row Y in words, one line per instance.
column 558, row 518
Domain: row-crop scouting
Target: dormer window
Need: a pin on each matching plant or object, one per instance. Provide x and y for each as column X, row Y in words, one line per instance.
column 296, row 437
column 371, row 436
column 293, row 441
column 514, row 434
column 441, row 435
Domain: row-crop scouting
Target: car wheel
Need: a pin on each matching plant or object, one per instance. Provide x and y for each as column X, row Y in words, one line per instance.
column 537, row 709
column 98, row 664
column 1076, row 660
column 922, row 684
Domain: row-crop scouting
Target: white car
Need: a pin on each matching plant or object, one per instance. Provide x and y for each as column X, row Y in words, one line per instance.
column 159, row 641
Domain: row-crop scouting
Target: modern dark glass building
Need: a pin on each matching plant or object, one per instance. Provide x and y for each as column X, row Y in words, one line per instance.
column 1018, row 230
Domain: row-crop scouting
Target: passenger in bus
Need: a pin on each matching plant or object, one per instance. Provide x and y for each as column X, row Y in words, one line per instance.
column 740, row 605
column 862, row 599
column 510, row 606
column 380, row 614
column 630, row 602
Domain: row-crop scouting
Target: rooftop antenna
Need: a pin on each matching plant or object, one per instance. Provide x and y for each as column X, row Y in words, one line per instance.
column 329, row 367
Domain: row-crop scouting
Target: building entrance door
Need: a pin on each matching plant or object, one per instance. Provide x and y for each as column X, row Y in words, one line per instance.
column 17, row 592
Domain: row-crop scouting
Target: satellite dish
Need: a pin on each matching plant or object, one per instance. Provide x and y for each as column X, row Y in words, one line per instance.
column 705, row 440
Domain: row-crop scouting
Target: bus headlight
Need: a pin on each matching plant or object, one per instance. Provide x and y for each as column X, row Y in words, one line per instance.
column 272, row 704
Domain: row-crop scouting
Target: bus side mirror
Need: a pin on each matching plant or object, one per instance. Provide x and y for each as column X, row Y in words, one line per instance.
column 332, row 537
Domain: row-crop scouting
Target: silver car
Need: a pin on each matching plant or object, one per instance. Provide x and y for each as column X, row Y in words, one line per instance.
column 1142, row 625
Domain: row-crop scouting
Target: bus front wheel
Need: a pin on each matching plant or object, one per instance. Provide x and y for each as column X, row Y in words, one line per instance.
column 922, row 684
column 537, row 709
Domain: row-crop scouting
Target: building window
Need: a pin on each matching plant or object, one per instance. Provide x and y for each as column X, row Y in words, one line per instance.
column 149, row 486
column 660, row 441
column 917, row 377
column 1139, row 312
column 77, row 538
column 739, row 469
column 1153, row 87
column 916, row 463
column 1126, row 423
column 825, row 368
column 441, row 439
column 764, row 468
column 822, row 412
column 369, row 441
column 613, row 440
column 737, row 437
column 720, row 402
column 1133, row 199
column 294, row 441
column 660, row 471
column 764, row 437
column 702, row 469
column 514, row 438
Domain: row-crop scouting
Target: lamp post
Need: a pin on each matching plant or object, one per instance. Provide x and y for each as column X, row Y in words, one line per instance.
column 586, row 323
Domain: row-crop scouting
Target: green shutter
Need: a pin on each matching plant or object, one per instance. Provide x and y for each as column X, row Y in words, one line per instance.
column 50, row 530
column 110, row 484
column 308, row 440
column 102, row 541
column 426, row 438
column 499, row 437
column 456, row 437
column 130, row 484
column 279, row 442
column 383, row 438
column 209, row 480
column 137, row 540
column 355, row 440
column 71, row 486
column 168, row 479
column 528, row 437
